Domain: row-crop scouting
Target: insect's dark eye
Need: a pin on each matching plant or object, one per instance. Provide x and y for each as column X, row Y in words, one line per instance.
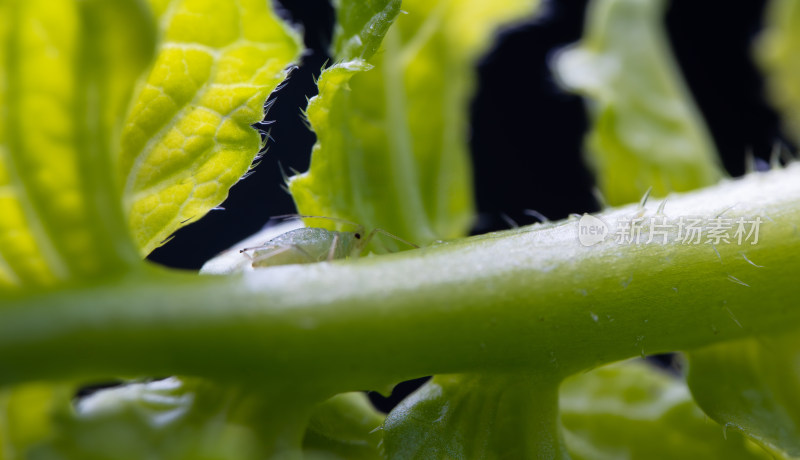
column 358, row 236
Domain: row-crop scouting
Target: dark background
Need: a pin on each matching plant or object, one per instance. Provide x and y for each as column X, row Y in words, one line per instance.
column 522, row 161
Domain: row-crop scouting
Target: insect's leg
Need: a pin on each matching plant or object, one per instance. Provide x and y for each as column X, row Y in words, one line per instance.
column 332, row 250
column 365, row 240
column 384, row 232
column 280, row 250
column 267, row 255
column 302, row 251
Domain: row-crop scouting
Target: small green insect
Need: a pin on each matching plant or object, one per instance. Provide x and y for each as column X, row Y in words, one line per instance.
column 311, row 244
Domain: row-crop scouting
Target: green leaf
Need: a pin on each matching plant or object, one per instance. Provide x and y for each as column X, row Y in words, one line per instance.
column 778, row 52
column 166, row 419
column 190, row 419
column 174, row 418
column 360, row 27
column 392, row 130
column 634, row 411
column 186, row 418
column 345, row 426
column 476, row 417
column 188, row 138
column 751, row 386
column 27, row 414
column 646, row 131
column 67, row 74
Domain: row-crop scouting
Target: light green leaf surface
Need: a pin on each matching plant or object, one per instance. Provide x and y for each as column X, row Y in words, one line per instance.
column 646, row 131
column 170, row 419
column 66, row 76
column 392, row 131
column 189, row 419
column 188, row 138
column 360, row 27
column 476, row 417
column 633, row 411
column 27, row 416
column 751, row 386
column 778, row 52
column 345, row 426
column 166, row 419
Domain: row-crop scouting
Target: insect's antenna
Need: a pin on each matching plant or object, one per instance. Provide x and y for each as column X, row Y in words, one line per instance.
column 284, row 217
column 382, row 231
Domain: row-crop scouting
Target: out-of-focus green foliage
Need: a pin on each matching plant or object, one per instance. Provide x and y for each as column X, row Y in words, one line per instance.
column 751, row 386
column 632, row 410
column 77, row 179
column 360, row 27
column 480, row 417
column 68, row 69
column 778, row 52
column 392, row 129
column 345, row 426
column 188, row 138
column 175, row 419
column 627, row 410
column 28, row 416
column 167, row 420
column 646, row 131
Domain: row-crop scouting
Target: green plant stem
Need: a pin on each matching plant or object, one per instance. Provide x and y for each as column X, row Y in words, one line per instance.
column 530, row 298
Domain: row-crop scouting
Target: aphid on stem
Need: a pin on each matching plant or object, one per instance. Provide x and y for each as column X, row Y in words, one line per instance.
column 311, row 244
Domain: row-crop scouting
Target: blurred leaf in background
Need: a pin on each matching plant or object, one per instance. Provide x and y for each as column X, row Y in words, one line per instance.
column 70, row 69
column 778, row 52
column 393, row 126
column 750, row 386
column 646, row 131
column 633, row 410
